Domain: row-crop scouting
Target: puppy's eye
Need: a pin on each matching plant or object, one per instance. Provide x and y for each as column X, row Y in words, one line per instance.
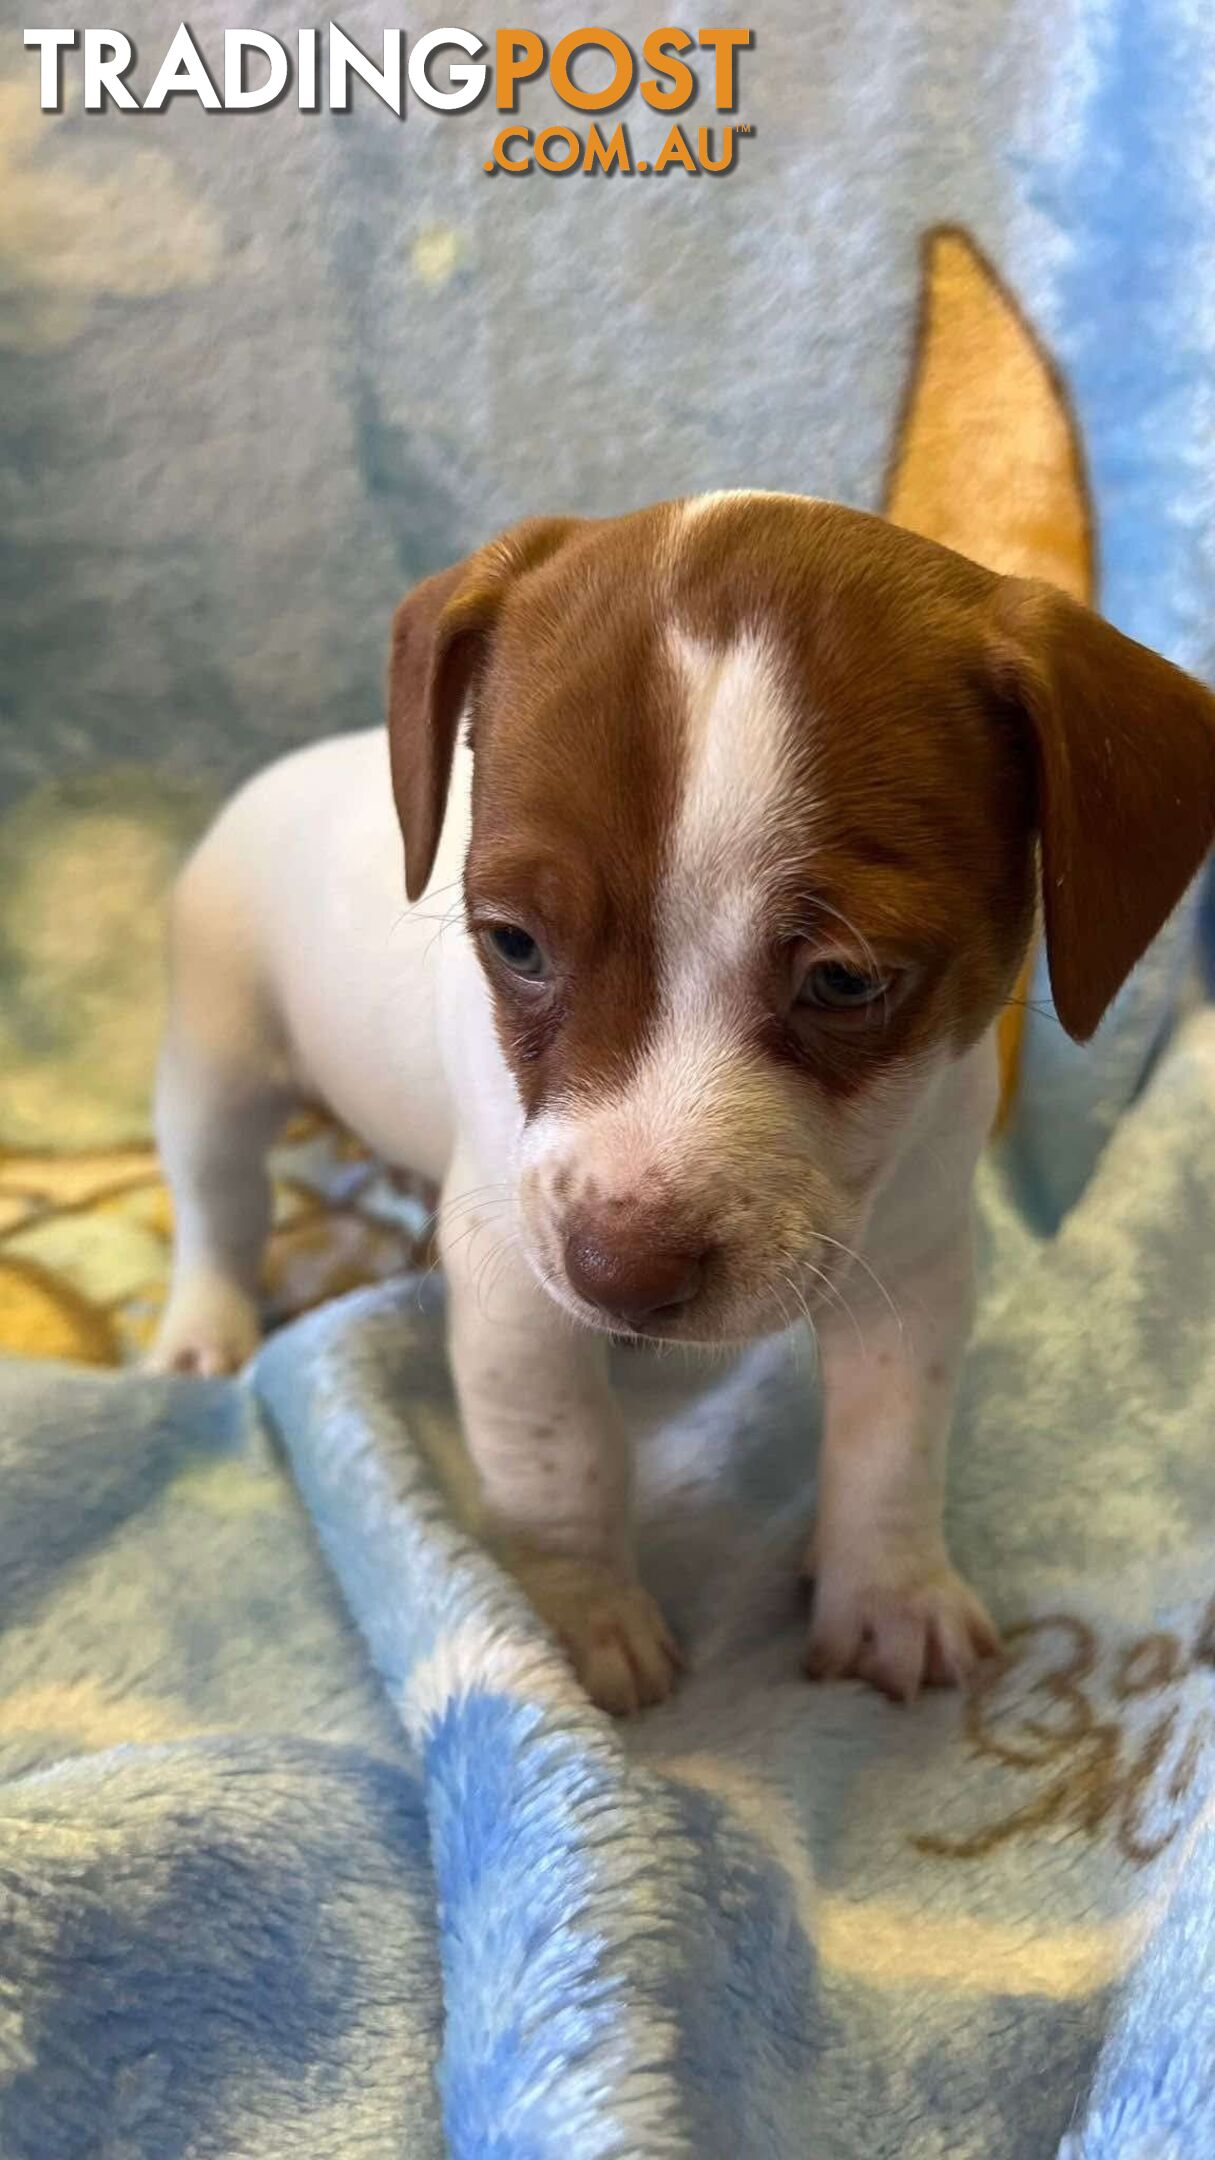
column 833, row 986
column 517, row 950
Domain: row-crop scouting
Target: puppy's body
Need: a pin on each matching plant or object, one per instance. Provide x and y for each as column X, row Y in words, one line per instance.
column 691, row 1015
column 350, row 977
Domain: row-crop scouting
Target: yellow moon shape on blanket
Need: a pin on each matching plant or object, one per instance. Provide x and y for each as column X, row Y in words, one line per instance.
column 988, row 460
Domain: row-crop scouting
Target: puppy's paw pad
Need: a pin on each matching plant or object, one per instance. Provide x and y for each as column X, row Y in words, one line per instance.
column 899, row 1631
column 610, row 1629
column 209, row 1328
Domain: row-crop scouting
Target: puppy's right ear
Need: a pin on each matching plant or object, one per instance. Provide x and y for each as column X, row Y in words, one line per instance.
column 440, row 635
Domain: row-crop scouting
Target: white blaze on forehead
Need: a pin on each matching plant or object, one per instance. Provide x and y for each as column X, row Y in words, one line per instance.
column 698, row 1078
column 695, row 507
column 733, row 826
column 735, row 813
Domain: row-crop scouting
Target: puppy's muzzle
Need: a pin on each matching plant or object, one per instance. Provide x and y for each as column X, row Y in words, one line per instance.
column 631, row 1276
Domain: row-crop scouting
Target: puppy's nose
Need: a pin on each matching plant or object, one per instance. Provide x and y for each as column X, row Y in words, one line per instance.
column 632, row 1279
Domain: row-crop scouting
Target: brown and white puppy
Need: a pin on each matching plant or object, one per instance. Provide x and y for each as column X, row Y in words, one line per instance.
column 741, row 858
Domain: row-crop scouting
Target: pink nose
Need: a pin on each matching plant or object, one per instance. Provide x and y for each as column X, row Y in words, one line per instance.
column 630, row 1277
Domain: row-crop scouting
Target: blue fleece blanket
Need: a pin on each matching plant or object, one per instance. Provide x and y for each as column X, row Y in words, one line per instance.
column 310, row 1845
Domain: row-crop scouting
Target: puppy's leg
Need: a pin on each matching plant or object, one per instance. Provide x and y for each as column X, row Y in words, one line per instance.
column 221, row 1095
column 888, row 1605
column 547, row 1440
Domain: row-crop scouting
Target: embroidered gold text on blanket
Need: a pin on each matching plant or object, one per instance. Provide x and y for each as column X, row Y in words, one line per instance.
column 1110, row 1739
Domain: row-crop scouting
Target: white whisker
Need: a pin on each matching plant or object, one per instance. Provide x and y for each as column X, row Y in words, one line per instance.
column 822, row 1238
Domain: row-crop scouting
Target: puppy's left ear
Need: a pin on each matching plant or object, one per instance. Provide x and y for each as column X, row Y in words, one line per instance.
column 440, row 633
column 1123, row 747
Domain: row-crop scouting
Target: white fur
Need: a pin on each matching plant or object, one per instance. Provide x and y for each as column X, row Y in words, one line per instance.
column 734, row 810
column 299, row 971
column 694, row 508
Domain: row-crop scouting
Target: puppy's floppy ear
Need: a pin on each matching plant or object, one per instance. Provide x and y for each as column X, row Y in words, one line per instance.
column 1123, row 747
column 440, row 634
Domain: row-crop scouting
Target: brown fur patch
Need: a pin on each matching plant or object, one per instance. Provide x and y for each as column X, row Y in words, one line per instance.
column 577, row 771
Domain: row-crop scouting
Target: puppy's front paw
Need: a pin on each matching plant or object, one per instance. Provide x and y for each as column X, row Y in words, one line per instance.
column 609, row 1627
column 900, row 1626
column 209, row 1327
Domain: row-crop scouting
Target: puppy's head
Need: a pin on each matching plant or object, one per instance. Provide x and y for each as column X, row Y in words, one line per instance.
column 760, row 790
